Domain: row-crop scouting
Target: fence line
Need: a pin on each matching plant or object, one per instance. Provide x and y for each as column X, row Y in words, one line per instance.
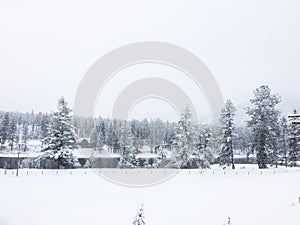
column 206, row 172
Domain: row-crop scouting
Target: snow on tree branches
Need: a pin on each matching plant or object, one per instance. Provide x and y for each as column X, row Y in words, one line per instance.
column 227, row 128
column 264, row 122
column 61, row 139
column 185, row 139
column 294, row 138
column 128, row 150
column 190, row 153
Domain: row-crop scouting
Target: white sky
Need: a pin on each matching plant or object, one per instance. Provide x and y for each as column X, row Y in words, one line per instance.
column 45, row 48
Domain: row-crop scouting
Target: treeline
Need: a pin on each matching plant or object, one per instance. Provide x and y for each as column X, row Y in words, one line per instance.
column 273, row 138
column 17, row 128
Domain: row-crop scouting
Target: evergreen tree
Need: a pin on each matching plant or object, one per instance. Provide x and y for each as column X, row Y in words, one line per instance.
column 136, row 132
column 264, row 124
column 204, row 154
column 294, row 137
column 95, row 138
column 4, row 129
column 170, row 134
column 61, row 140
column 102, row 133
column 145, row 129
column 227, row 128
column 12, row 134
column 140, row 219
column 284, row 130
column 25, row 134
column 128, row 150
column 185, row 139
column 44, row 127
column 112, row 139
column 116, row 142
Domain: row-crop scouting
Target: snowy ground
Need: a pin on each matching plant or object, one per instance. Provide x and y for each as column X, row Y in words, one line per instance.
column 248, row 196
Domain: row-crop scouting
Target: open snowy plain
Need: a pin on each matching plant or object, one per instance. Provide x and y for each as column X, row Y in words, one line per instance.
column 197, row 197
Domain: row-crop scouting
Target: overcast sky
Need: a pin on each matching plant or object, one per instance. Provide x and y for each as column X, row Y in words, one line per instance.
column 45, row 48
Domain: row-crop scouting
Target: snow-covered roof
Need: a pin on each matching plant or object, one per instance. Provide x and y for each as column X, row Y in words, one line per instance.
column 146, row 155
column 88, row 152
column 82, row 139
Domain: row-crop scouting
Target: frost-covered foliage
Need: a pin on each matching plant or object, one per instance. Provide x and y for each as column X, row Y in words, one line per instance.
column 127, row 150
column 185, row 139
column 16, row 129
column 61, row 138
column 203, row 156
column 227, row 128
column 182, row 144
column 190, row 152
column 161, row 153
column 12, row 134
column 283, row 142
column 294, row 138
column 98, row 138
column 264, row 122
column 4, row 129
column 140, row 218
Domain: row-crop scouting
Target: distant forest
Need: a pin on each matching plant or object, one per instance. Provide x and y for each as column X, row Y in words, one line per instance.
column 272, row 138
column 103, row 131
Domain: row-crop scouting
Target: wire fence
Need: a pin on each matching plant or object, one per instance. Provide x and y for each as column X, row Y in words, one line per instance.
column 149, row 172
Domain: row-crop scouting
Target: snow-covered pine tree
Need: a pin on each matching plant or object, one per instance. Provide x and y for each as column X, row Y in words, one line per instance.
column 61, row 139
column 112, row 139
column 273, row 142
column 227, row 128
column 95, row 137
column 185, row 139
column 4, row 129
column 44, row 126
column 264, row 124
column 12, row 134
column 294, row 138
column 170, row 134
column 203, row 152
column 140, row 218
column 25, row 134
column 136, row 132
column 102, row 133
column 157, row 133
column 283, row 143
column 127, row 149
column 145, row 129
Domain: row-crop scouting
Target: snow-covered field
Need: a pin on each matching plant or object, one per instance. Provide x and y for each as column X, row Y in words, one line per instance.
column 81, row 197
